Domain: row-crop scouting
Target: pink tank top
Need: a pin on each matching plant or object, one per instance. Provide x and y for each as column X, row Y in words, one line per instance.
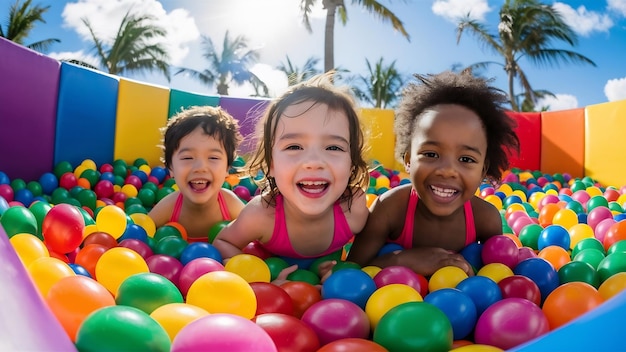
column 280, row 245
column 406, row 236
column 179, row 204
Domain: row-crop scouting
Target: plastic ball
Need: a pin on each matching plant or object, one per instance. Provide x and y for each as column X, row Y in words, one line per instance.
column 596, row 215
column 565, row 217
column 199, row 250
column 28, row 248
column 112, row 220
column 166, row 266
column 288, row 332
column 396, row 274
column 500, row 249
column 223, row 292
column 495, row 271
column 446, row 277
column 569, row 301
column 578, row 233
column 615, row 233
column 529, row 235
column 134, row 330
column 276, row 266
column 116, row 265
column 303, row 295
column 555, row 255
column 142, row 248
column 194, row 269
column 172, row 245
column 73, row 298
column 333, row 319
column 174, row 316
column 18, row 219
column 518, row 286
column 88, row 256
column 458, row 307
column 613, row 286
column 353, row 285
column 611, row 265
column 554, row 235
column 473, row 255
column 352, row 344
column 541, row 272
column 387, row 297
column 590, row 256
column 101, row 238
column 47, row 271
column 147, row 291
column 482, row 290
column 509, row 323
column 414, row 326
column 242, row 192
column 271, row 299
column 251, row 268
column 579, row 272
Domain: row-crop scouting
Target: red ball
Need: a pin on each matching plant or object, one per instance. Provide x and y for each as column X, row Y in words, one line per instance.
column 166, row 266
column 288, row 333
column 256, row 249
column 6, row 192
column 352, row 344
column 68, row 181
column 100, row 237
column 271, row 299
column 134, row 180
column 303, row 295
column 88, row 257
column 519, row 286
column 63, row 227
column 106, row 168
column 104, row 189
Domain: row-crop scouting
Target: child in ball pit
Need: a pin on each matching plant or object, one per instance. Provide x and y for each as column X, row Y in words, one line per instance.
column 199, row 146
column 451, row 134
column 314, row 175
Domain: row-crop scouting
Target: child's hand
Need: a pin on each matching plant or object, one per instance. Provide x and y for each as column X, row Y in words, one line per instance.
column 282, row 276
column 427, row 260
column 326, row 269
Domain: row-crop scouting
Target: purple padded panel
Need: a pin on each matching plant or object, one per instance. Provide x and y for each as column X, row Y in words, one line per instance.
column 28, row 98
column 247, row 111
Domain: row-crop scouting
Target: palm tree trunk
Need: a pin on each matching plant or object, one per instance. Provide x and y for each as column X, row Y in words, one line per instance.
column 329, row 35
column 514, row 106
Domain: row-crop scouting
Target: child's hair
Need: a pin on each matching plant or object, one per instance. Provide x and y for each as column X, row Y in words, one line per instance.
column 464, row 89
column 214, row 121
column 320, row 90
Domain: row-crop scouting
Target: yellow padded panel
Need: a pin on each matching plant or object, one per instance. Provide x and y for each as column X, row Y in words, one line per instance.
column 605, row 129
column 379, row 136
column 563, row 142
column 141, row 111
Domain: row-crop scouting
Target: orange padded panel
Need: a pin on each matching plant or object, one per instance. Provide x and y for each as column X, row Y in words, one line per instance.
column 563, row 142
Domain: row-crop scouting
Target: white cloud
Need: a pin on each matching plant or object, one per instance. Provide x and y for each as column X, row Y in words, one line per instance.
column 105, row 17
column 582, row 21
column 558, row 102
column 453, row 10
column 618, row 6
column 275, row 80
column 76, row 55
column 615, row 89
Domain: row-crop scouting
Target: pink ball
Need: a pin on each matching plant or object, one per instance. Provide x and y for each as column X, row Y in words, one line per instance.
column 581, row 196
column 334, row 319
column 222, row 332
column 547, row 199
column 516, row 215
column 602, row 228
column 165, row 265
column 510, row 322
column 6, row 192
column 104, row 189
column 134, row 180
column 525, row 253
column 520, row 223
column 500, row 249
column 194, row 269
column 401, row 275
column 242, row 192
column 597, row 214
column 138, row 246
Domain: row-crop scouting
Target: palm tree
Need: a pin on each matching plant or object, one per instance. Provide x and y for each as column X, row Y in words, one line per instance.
column 382, row 86
column 22, row 19
column 296, row 74
column 333, row 7
column 232, row 66
column 135, row 48
column 527, row 29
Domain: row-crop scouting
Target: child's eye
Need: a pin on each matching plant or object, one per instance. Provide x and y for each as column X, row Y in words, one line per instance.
column 335, row 147
column 429, row 154
column 293, row 147
column 467, row 159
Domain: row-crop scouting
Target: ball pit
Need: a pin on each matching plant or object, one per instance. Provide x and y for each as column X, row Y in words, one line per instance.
column 82, row 235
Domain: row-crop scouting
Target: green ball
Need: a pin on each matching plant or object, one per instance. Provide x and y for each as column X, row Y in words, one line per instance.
column 19, row 219
column 147, row 197
column 414, row 326
column 239, row 162
column 170, row 245
column 591, row 256
column 166, row 231
column 139, row 162
column 596, row 201
column 170, row 182
column 39, row 210
column 276, row 265
column 35, row 188
column 335, row 256
column 136, row 208
column 587, row 243
column 619, row 246
column 121, row 328
column 87, row 198
column 163, row 192
column 579, row 272
column 304, row 276
column 147, row 291
column 345, row 265
column 215, row 229
column 611, row 265
column 18, row 184
column 89, row 220
column 120, row 170
column 61, row 168
column 91, row 175
column 529, row 235
column 150, row 186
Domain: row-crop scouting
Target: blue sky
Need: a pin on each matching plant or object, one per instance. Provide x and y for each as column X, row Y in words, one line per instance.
column 275, row 28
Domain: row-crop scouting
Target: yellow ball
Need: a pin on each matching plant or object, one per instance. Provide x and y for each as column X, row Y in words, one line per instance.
column 175, row 316
column 535, row 198
column 446, row 277
column 145, row 222
column 594, row 191
column 28, row 248
column 382, row 181
column 387, row 297
column 495, row 271
column 520, row 194
column 371, row 270
column 223, row 292
column 494, row 200
column 370, row 198
column 89, row 164
column 578, row 233
column 79, row 170
column 116, row 265
column 129, row 190
column 613, row 285
column 565, row 217
column 506, row 189
column 250, row 267
column 112, row 220
column 145, row 168
column 477, row 348
column 46, row 271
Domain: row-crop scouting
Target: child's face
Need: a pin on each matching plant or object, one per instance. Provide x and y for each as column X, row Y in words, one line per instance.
column 447, row 157
column 311, row 156
column 199, row 166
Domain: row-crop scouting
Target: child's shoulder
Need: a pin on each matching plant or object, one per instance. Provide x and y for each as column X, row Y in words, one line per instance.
column 396, row 194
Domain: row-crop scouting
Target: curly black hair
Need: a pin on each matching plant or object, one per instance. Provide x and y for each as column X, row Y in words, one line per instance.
column 214, row 121
column 466, row 90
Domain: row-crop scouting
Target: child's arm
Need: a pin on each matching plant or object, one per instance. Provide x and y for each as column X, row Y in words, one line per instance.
column 487, row 219
column 233, row 202
column 161, row 213
column 250, row 225
column 425, row 260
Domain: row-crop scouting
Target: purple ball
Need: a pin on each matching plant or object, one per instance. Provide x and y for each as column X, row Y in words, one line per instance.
column 510, row 322
column 242, row 192
column 138, row 246
column 500, row 249
column 334, row 319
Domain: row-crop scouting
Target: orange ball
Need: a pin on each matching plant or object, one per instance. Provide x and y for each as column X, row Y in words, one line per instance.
column 555, row 255
column 616, row 232
column 546, row 214
column 569, row 301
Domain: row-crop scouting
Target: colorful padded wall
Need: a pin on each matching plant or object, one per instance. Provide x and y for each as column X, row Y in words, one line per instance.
column 605, row 130
column 563, row 142
column 28, row 94
column 86, row 110
column 180, row 100
column 529, row 133
column 141, row 111
column 247, row 111
column 378, row 129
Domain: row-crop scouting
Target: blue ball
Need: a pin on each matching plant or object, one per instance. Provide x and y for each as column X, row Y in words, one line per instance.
column 49, row 182
column 472, row 254
column 141, row 175
column 24, row 196
column 541, row 272
column 4, row 179
column 482, row 290
column 79, row 270
column 159, row 173
column 353, row 285
column 199, row 250
column 388, row 248
column 134, row 231
column 458, row 307
column 554, row 235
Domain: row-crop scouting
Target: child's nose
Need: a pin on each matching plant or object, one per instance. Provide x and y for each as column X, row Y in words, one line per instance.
column 313, row 159
column 447, row 168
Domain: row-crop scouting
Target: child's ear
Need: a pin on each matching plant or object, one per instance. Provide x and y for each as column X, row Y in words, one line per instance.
column 407, row 162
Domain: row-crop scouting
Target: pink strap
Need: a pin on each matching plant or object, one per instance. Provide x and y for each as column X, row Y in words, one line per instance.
column 177, row 206
column 223, row 207
column 470, row 228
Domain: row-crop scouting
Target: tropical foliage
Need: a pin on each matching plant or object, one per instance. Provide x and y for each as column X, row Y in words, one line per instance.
column 296, row 74
column 22, row 19
column 232, row 66
column 527, row 31
column 381, row 88
column 338, row 7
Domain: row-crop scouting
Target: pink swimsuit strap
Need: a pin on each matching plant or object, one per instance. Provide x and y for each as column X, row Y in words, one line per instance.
column 220, row 201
